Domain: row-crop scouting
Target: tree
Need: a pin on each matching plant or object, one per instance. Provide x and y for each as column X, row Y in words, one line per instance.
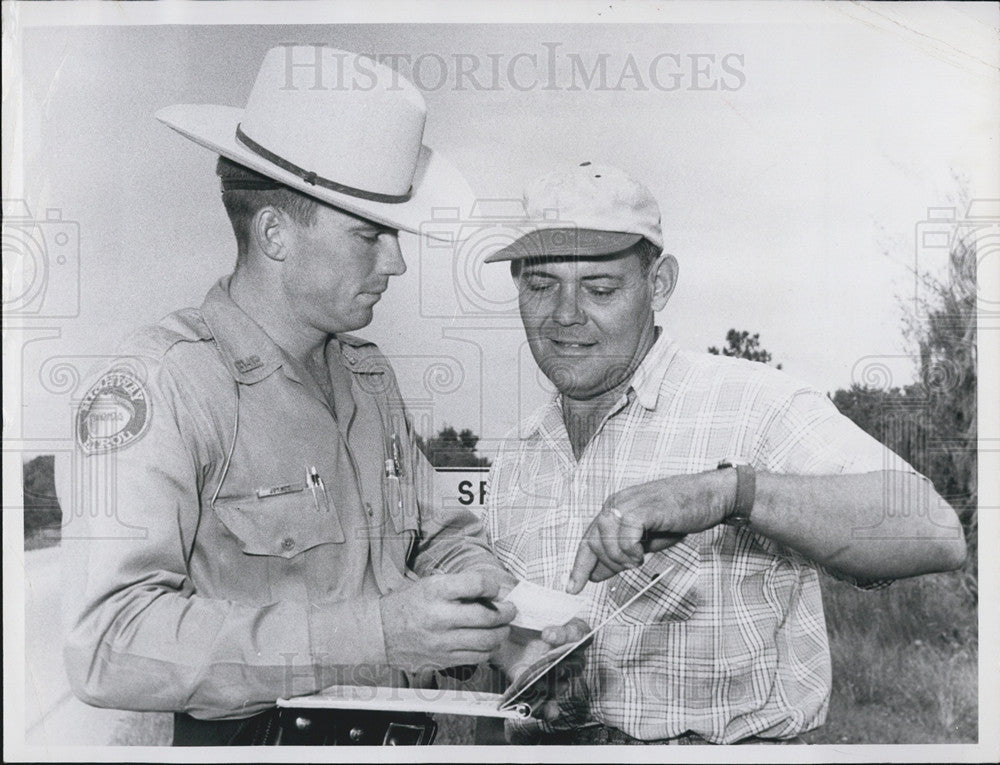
column 743, row 345
column 943, row 331
column 866, row 407
column 41, row 506
column 932, row 422
column 451, row 448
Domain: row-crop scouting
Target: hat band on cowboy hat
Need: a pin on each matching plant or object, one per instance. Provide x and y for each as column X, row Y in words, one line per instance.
column 338, row 127
column 311, row 177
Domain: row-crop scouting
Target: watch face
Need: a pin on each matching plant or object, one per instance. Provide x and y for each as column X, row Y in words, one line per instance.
column 733, row 463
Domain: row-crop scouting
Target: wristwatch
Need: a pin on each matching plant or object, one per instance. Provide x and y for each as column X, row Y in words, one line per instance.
column 746, row 488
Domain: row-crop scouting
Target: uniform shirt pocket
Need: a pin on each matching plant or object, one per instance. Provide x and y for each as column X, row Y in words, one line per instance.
column 282, row 526
column 401, row 505
column 673, row 598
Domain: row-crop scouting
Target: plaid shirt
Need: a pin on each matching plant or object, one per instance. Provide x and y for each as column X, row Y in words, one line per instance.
column 733, row 643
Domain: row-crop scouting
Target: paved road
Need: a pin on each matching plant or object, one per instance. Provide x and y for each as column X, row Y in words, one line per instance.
column 53, row 716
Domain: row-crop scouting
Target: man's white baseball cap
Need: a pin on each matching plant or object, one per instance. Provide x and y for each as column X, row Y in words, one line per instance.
column 584, row 210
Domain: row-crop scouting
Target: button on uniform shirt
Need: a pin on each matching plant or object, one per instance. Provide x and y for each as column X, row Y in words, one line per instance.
column 232, row 529
column 732, row 642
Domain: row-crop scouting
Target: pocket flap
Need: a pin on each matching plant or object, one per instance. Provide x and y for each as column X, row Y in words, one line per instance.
column 283, row 525
column 672, row 598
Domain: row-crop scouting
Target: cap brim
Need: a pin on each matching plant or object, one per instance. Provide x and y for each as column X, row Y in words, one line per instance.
column 553, row 242
column 438, row 186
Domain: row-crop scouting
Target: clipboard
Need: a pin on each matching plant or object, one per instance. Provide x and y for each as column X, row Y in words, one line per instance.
column 515, row 703
column 432, row 701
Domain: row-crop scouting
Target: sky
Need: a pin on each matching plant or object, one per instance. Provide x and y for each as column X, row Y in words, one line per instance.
column 794, row 193
column 797, row 195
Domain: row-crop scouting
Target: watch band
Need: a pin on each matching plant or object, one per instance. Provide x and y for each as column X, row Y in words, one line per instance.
column 746, row 489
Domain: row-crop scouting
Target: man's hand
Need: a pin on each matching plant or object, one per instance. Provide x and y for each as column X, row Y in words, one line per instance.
column 648, row 518
column 443, row 621
column 526, row 647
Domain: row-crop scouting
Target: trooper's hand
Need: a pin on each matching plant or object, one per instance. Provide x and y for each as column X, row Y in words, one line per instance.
column 444, row 620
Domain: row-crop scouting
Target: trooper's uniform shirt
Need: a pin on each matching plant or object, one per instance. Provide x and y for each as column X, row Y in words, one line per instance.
column 234, row 528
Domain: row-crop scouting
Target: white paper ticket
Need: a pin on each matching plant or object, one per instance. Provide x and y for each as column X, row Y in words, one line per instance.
column 539, row 607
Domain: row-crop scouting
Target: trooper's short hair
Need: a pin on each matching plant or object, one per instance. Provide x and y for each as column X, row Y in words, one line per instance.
column 245, row 192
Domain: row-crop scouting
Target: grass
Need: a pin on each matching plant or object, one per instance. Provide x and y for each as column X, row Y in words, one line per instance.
column 905, row 663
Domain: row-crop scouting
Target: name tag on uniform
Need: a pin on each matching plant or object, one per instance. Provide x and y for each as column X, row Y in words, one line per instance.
column 274, row 491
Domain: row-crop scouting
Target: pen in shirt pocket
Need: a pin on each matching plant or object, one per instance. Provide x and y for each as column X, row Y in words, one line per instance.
column 313, row 481
column 393, row 462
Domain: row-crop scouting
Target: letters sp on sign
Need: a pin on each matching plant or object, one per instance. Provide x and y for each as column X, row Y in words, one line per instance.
column 461, row 487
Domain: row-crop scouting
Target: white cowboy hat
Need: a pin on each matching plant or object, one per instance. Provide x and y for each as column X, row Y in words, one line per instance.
column 338, row 127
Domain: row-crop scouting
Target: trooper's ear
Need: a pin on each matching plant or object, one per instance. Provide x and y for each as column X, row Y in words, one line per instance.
column 664, row 275
column 270, row 230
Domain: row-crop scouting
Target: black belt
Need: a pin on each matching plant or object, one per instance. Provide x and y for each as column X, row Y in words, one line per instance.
column 307, row 727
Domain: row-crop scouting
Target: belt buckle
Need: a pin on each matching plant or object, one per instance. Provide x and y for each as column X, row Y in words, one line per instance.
column 405, row 734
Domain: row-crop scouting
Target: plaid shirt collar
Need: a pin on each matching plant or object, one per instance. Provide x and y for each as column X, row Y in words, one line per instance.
column 648, row 378
column 646, row 383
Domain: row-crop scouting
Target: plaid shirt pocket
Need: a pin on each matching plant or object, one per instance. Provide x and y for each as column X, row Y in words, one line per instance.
column 673, row 598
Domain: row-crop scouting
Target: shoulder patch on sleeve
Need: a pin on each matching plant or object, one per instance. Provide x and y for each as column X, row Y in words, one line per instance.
column 115, row 412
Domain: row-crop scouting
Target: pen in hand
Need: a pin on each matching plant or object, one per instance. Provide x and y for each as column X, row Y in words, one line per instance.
column 486, row 603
